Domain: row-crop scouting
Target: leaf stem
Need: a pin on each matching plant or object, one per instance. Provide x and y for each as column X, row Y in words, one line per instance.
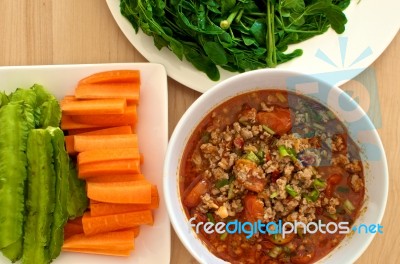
column 225, row 24
column 271, row 49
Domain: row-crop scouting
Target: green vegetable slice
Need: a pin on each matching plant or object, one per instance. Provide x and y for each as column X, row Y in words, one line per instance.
column 16, row 119
column 40, row 200
column 61, row 166
column 77, row 200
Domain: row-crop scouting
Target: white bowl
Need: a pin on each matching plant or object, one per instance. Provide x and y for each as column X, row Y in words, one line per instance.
column 359, row 126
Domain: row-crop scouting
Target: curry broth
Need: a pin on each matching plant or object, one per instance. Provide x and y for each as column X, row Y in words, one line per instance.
column 199, row 180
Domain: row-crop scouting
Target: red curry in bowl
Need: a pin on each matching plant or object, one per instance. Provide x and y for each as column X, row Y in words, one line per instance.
column 271, row 156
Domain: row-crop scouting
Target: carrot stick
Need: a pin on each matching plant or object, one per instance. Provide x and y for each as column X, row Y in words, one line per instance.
column 101, row 224
column 69, row 97
column 70, row 142
column 99, row 208
column 77, row 131
column 136, row 230
column 118, row 130
column 97, row 155
column 117, row 240
column 69, row 145
column 129, row 91
column 95, row 142
column 115, row 76
column 109, row 252
column 105, row 120
column 111, row 167
column 68, row 123
column 116, row 178
column 71, row 229
column 93, row 107
column 132, row 192
column 76, row 221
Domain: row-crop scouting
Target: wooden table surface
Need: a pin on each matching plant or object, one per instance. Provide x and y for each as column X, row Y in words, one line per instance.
column 83, row 31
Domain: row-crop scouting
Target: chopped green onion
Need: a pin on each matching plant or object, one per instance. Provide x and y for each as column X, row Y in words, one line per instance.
column 284, row 151
column 243, row 121
column 348, row 206
column 291, row 191
column 281, row 97
column 319, row 184
column 268, row 130
column 260, row 154
column 318, row 126
column 230, row 191
column 223, row 236
column 221, row 183
column 332, row 216
column 273, row 195
column 274, row 253
column 252, row 157
column 314, row 195
column 210, row 218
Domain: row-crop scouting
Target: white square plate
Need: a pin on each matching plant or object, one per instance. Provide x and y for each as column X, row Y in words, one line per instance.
column 153, row 243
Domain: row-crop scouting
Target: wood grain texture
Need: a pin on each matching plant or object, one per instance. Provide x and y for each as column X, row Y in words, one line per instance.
column 76, row 31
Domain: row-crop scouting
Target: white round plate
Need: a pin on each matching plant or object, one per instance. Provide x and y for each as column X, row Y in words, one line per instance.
column 371, row 27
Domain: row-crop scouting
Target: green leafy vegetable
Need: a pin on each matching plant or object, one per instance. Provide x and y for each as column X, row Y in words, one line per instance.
column 235, row 35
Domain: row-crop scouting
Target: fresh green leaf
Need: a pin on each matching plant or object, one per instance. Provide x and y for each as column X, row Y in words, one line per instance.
column 215, row 52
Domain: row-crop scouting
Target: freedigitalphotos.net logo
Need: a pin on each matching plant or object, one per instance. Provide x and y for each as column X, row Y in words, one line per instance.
column 361, row 91
column 282, row 228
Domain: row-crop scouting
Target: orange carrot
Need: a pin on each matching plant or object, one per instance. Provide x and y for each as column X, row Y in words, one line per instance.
column 68, row 123
column 71, row 229
column 101, row 224
column 105, row 120
column 95, row 142
column 117, row 240
column 109, row 252
column 93, row 107
column 116, row 178
column 70, row 142
column 76, row 131
column 132, row 192
column 115, row 76
column 76, row 221
column 129, row 91
column 69, row 145
column 110, row 167
column 99, row 208
column 118, row 130
column 69, row 97
column 97, row 155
